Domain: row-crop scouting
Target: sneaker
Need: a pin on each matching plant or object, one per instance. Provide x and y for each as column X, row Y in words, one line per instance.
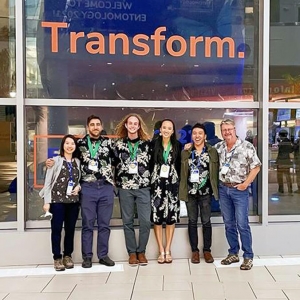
column 87, row 262
column 143, row 261
column 247, row 264
column 106, row 261
column 195, row 257
column 68, row 262
column 133, row 261
column 231, row 258
column 58, row 265
column 208, row 257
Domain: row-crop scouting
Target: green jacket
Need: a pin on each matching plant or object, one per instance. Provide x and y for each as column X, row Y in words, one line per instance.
column 213, row 172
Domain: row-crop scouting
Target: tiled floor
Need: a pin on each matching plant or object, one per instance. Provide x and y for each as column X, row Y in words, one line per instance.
column 271, row 278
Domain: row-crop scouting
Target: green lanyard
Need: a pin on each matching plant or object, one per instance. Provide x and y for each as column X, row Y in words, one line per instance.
column 92, row 150
column 133, row 150
column 166, row 152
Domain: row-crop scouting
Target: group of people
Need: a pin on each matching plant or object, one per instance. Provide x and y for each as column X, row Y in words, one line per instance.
column 151, row 177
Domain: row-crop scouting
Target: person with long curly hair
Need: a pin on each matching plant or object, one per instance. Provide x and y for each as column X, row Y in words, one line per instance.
column 132, row 161
column 164, row 187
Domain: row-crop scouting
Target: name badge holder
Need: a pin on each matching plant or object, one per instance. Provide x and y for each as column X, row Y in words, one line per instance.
column 70, row 188
column 225, row 169
column 93, row 165
column 195, row 176
column 164, row 171
column 133, row 167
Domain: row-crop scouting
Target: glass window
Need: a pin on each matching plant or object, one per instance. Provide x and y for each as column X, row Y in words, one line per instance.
column 284, row 61
column 152, row 49
column 284, row 161
column 7, row 50
column 8, row 164
column 47, row 125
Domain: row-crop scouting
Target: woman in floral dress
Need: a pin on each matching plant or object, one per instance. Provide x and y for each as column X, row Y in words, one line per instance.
column 164, row 187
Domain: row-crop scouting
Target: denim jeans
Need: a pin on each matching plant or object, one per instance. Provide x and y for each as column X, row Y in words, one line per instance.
column 194, row 203
column 235, row 208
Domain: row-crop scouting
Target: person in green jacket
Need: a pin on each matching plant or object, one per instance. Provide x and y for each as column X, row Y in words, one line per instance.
column 198, row 181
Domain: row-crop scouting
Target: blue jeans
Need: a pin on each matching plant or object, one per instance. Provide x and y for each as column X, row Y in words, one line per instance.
column 235, row 208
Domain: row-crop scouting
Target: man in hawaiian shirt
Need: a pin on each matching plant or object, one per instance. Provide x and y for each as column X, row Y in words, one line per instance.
column 97, row 195
column 239, row 165
column 132, row 155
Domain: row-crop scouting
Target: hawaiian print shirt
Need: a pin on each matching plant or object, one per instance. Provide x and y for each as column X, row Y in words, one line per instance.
column 103, row 158
column 59, row 190
column 199, row 161
column 242, row 158
column 128, row 181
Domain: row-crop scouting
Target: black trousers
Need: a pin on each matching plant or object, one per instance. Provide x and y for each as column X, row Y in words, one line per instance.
column 196, row 202
column 67, row 214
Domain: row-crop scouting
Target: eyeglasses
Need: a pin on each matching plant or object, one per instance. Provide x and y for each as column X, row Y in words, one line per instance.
column 228, row 130
column 47, row 215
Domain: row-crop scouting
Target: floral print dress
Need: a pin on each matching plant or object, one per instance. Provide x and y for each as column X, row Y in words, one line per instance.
column 165, row 203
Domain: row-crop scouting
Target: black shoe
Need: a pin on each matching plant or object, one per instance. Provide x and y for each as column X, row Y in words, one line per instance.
column 106, row 261
column 87, row 262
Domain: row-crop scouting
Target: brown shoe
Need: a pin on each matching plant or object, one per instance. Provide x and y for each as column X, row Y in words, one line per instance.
column 133, row 261
column 208, row 257
column 142, row 259
column 195, row 257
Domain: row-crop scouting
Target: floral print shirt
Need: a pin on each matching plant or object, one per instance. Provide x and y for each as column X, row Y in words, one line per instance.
column 59, row 190
column 103, row 158
column 139, row 180
column 242, row 158
column 199, row 161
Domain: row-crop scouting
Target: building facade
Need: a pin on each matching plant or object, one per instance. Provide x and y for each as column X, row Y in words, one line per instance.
column 192, row 61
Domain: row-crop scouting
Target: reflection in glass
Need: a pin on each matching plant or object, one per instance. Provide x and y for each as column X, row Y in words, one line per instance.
column 284, row 163
column 8, row 164
column 7, row 50
column 284, row 61
column 47, row 125
column 145, row 50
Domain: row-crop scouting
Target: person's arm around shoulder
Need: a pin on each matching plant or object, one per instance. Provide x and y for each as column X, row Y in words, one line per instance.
column 183, row 185
column 77, row 188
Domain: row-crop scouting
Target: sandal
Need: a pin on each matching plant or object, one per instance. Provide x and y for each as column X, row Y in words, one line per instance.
column 161, row 258
column 169, row 258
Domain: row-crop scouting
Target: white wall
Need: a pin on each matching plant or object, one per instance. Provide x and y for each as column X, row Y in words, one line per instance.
column 33, row 246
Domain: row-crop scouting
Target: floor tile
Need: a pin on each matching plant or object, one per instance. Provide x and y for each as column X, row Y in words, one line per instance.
column 163, row 295
column 122, row 291
column 37, row 296
column 267, row 294
column 238, row 290
column 153, row 268
column 34, row 285
column 172, row 286
column 3, row 295
column 208, row 291
column 149, row 283
column 257, row 274
column 292, row 294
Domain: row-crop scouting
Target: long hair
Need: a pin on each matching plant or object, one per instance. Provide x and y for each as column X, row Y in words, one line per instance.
column 62, row 151
column 122, row 132
column 159, row 149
